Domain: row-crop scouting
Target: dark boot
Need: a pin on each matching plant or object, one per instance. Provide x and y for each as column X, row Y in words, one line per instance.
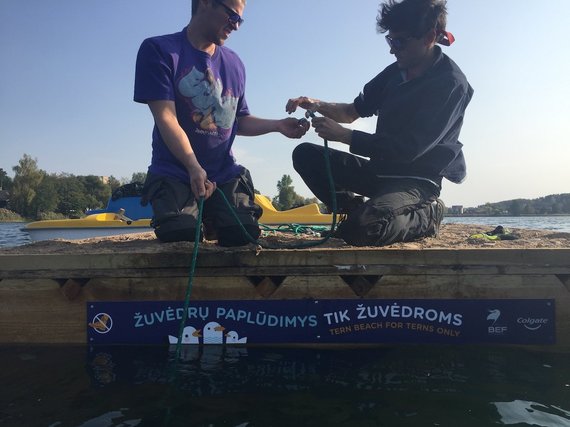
column 437, row 209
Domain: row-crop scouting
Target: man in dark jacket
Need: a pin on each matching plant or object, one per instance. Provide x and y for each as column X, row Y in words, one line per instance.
column 420, row 102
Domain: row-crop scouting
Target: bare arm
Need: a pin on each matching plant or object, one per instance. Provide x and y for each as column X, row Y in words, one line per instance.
column 327, row 127
column 164, row 113
column 254, row 126
column 339, row 112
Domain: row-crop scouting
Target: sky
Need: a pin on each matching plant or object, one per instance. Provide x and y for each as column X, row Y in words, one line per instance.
column 67, row 75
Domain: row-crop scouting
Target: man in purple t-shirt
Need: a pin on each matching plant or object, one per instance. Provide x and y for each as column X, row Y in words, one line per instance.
column 195, row 89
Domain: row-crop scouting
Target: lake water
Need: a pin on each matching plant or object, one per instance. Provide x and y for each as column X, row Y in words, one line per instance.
column 393, row 386
column 12, row 235
column 553, row 223
column 215, row 386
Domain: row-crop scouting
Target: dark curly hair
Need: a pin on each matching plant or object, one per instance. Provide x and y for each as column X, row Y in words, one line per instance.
column 415, row 17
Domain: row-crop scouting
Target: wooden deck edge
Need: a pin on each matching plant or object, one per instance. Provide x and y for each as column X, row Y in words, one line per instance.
column 310, row 262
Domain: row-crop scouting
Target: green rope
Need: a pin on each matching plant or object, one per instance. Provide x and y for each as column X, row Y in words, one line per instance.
column 294, row 228
column 250, row 239
column 300, row 245
column 190, row 277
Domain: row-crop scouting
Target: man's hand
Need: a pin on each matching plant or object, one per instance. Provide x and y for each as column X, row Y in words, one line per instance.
column 303, row 102
column 293, row 128
column 200, row 184
column 330, row 130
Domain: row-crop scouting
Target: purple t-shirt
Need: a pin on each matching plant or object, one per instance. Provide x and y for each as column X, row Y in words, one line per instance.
column 208, row 91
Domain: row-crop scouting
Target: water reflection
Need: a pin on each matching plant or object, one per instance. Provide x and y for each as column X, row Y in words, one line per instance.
column 532, row 413
column 233, row 386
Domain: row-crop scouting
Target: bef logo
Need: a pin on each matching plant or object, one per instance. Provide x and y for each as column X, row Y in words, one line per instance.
column 494, row 316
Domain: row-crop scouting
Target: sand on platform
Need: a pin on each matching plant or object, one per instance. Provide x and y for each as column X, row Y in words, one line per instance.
column 452, row 236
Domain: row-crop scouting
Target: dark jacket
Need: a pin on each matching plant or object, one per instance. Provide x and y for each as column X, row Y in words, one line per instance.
column 418, row 122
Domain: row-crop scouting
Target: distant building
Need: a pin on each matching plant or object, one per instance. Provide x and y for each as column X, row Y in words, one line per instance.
column 456, row 210
column 4, row 198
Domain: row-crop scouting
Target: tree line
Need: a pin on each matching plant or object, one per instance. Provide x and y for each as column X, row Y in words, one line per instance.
column 35, row 194
column 554, row 204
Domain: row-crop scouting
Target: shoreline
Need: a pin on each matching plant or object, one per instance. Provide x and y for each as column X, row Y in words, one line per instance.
column 503, row 215
column 452, row 236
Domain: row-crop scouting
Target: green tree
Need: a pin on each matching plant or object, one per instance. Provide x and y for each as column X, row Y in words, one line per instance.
column 5, row 180
column 286, row 197
column 529, row 209
column 73, row 199
column 139, row 177
column 516, row 207
column 114, row 183
column 566, row 205
column 47, row 198
column 98, row 191
column 27, row 179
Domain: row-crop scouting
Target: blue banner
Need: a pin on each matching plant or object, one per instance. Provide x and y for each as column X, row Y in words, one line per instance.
column 512, row 321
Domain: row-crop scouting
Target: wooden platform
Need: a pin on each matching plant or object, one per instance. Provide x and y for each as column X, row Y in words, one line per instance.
column 44, row 298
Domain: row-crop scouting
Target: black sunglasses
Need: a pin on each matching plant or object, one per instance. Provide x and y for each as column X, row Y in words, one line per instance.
column 233, row 16
column 397, row 43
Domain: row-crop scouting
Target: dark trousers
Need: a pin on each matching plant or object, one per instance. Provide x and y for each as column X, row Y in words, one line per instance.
column 398, row 209
column 175, row 210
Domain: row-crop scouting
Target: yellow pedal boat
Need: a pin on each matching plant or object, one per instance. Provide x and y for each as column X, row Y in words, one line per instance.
column 307, row 215
column 114, row 223
column 95, row 225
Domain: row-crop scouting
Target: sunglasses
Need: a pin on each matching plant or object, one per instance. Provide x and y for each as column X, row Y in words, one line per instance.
column 233, row 16
column 397, row 43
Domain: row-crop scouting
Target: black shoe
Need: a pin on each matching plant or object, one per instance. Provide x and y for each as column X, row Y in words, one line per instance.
column 210, row 233
column 498, row 230
column 350, row 205
column 337, row 233
column 437, row 209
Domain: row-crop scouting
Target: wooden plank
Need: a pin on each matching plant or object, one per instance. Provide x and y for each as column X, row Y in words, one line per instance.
column 64, row 272
column 300, row 287
column 43, row 297
column 170, row 289
column 565, row 279
column 38, row 312
column 469, row 286
column 350, row 261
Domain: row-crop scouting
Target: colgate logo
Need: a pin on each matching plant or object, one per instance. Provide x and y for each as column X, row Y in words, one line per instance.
column 532, row 324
